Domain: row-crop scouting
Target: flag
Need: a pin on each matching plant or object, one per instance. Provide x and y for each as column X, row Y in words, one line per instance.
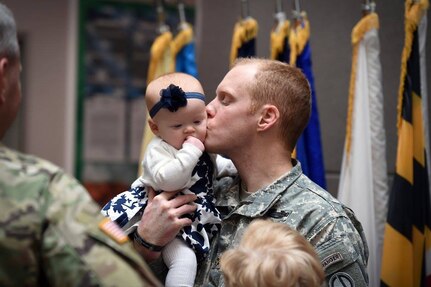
column 169, row 55
column 184, row 51
column 309, row 145
column 363, row 180
column 279, row 44
column 406, row 259
column 244, row 39
column 161, row 62
column 160, row 56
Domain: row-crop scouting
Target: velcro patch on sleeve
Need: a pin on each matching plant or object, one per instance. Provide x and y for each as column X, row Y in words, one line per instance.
column 111, row 229
column 331, row 259
column 341, row 279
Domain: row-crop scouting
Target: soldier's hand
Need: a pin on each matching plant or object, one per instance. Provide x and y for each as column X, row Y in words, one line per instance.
column 163, row 218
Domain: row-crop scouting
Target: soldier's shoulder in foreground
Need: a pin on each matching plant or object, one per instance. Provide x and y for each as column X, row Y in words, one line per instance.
column 53, row 233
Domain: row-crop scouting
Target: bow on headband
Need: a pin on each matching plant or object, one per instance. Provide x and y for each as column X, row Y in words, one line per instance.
column 173, row 98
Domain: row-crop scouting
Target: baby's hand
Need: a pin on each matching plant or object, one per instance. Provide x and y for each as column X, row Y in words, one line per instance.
column 196, row 142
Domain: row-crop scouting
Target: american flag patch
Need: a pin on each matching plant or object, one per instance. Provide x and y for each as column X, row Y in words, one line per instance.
column 111, row 229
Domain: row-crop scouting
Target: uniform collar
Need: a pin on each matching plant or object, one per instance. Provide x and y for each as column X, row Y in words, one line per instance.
column 258, row 203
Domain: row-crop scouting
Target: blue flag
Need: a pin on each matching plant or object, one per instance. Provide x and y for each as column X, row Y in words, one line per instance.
column 309, row 146
column 184, row 50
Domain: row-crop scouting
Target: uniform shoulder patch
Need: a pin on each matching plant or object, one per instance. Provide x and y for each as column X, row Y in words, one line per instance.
column 332, row 259
column 111, row 229
column 341, row 279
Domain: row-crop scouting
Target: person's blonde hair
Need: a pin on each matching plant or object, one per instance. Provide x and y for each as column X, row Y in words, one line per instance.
column 272, row 254
column 285, row 87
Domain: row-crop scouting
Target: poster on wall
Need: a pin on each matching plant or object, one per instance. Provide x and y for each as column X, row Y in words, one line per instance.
column 105, row 123
column 138, row 116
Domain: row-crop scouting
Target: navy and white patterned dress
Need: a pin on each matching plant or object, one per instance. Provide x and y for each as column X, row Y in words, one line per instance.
column 126, row 208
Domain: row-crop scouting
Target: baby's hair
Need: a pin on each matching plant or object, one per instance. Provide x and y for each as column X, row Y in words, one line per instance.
column 185, row 81
column 272, row 254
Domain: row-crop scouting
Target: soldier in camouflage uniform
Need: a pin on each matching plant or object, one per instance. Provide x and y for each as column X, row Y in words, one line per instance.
column 295, row 200
column 50, row 233
column 260, row 110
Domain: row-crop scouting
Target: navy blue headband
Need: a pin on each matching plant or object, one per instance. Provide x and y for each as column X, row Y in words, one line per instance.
column 173, row 98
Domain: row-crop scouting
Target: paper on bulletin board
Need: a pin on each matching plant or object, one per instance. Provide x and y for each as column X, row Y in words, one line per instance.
column 138, row 121
column 105, row 129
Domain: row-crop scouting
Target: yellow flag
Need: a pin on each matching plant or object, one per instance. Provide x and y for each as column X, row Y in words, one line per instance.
column 161, row 62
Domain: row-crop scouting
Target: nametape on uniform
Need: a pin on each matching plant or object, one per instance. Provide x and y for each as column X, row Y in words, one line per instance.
column 111, row 229
column 331, row 259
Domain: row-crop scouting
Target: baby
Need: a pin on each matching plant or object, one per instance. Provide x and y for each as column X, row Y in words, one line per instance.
column 272, row 254
column 175, row 160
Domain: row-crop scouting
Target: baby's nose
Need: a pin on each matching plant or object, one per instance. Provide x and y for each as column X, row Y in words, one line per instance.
column 189, row 130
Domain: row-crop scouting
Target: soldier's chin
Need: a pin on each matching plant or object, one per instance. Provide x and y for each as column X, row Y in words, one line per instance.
column 209, row 147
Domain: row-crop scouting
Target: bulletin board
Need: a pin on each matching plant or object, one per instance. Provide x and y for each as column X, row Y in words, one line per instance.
column 115, row 38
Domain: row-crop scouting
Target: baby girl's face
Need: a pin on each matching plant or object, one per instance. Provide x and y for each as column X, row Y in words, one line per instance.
column 175, row 127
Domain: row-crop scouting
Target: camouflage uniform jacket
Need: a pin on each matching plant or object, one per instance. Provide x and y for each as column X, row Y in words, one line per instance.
column 295, row 200
column 49, row 233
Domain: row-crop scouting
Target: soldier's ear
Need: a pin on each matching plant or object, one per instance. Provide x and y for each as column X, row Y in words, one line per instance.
column 4, row 63
column 269, row 115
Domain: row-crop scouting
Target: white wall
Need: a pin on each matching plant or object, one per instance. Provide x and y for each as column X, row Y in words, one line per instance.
column 48, row 30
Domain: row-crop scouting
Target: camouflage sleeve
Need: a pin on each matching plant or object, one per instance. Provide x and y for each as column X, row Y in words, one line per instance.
column 342, row 263
column 50, row 233
column 74, row 249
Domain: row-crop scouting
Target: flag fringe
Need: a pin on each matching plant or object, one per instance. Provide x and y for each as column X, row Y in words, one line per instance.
column 367, row 23
column 277, row 39
column 298, row 38
column 413, row 15
column 244, row 31
column 184, row 37
column 158, row 50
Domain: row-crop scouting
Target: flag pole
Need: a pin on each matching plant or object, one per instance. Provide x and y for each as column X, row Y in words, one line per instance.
column 244, row 9
column 297, row 13
column 181, row 13
column 296, row 10
column 162, row 27
column 368, row 7
column 278, row 6
column 279, row 16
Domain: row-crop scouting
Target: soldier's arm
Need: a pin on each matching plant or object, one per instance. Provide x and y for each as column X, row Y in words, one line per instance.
column 342, row 262
column 75, row 250
column 162, row 219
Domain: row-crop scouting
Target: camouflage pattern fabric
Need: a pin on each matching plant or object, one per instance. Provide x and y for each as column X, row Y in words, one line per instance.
column 294, row 200
column 49, row 233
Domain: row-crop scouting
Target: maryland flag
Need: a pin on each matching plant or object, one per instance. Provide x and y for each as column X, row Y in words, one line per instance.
column 309, row 146
column 363, row 179
column 244, row 39
column 406, row 259
column 161, row 62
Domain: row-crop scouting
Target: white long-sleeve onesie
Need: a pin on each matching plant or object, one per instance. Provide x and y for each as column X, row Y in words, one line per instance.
column 168, row 169
column 193, row 171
